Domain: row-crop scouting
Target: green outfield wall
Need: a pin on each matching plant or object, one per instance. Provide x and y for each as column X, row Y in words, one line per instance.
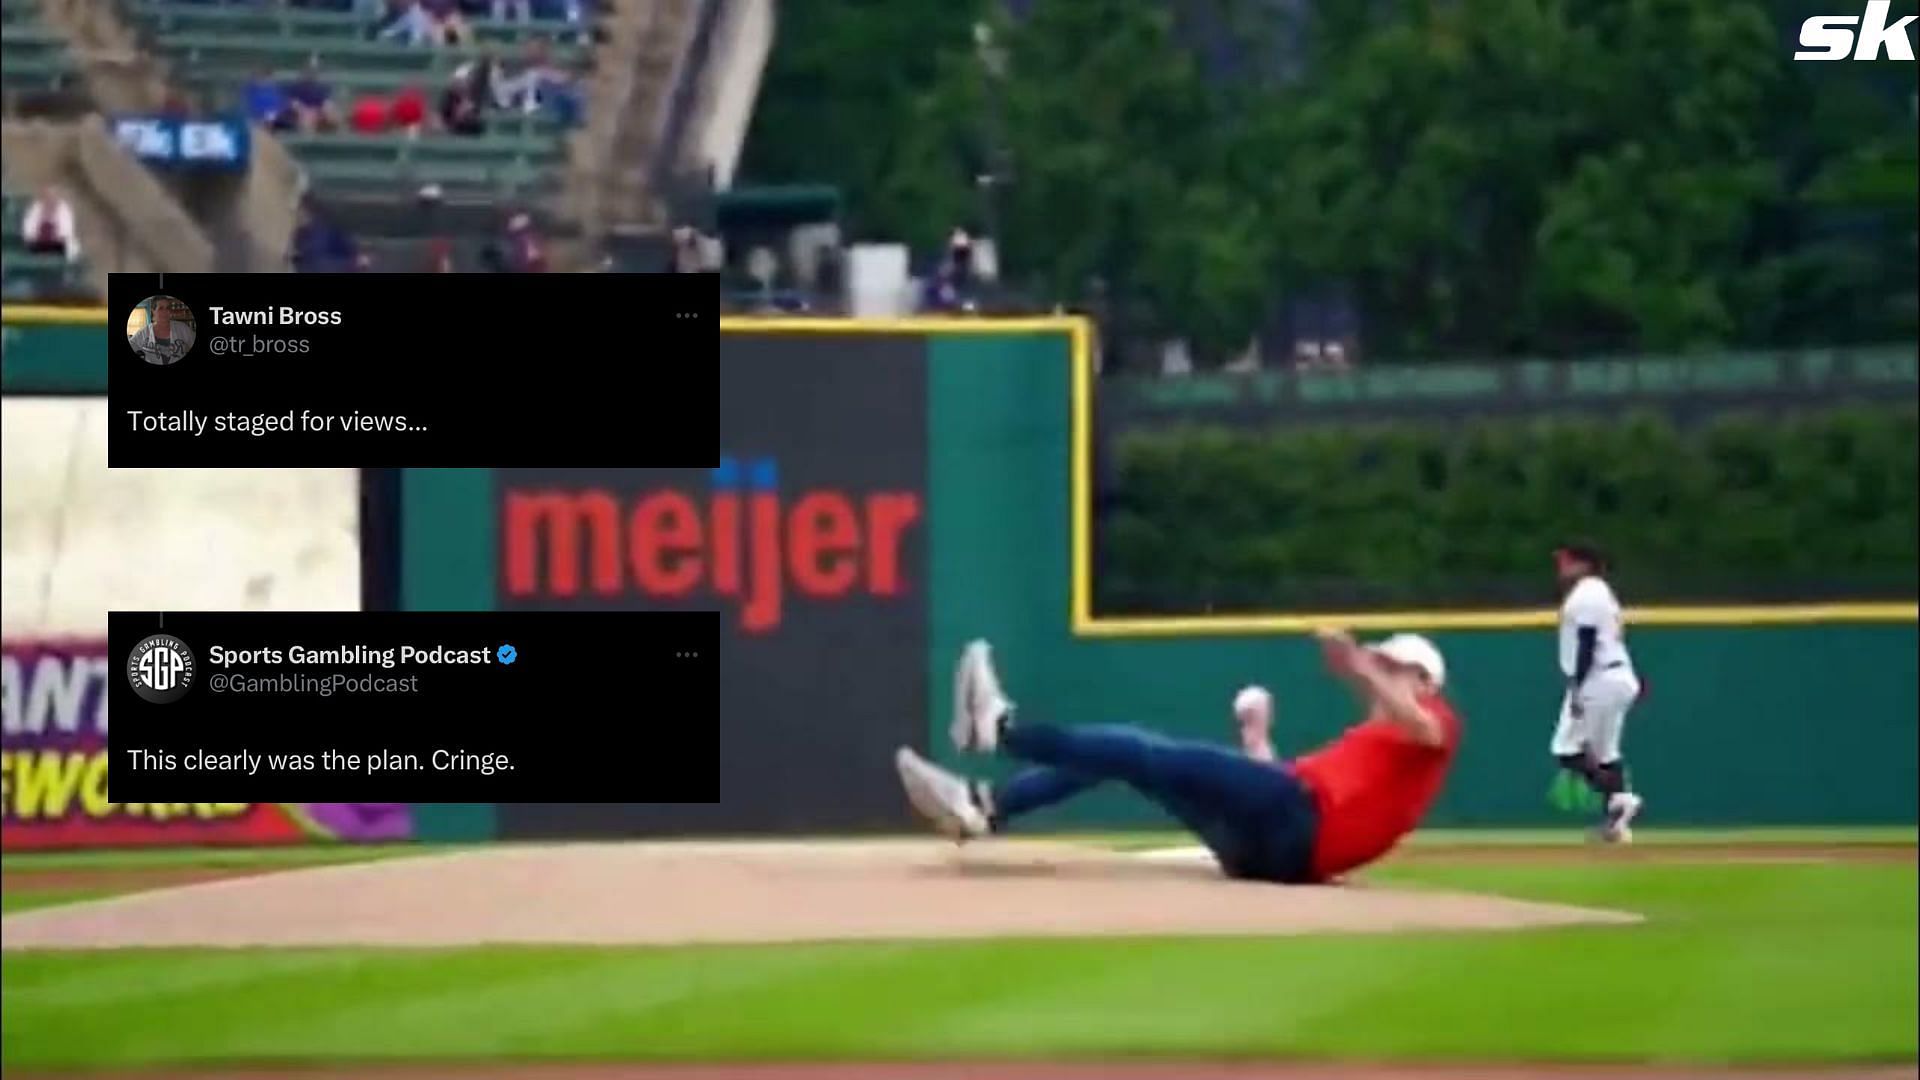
column 1781, row 721
column 957, row 456
column 49, row 350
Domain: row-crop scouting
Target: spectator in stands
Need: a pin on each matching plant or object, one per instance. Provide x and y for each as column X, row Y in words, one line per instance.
column 829, row 276
column 960, row 258
column 688, row 254
column 484, row 76
column 440, row 256
column 577, row 14
column 321, row 247
column 427, row 22
column 1325, row 329
column 519, row 91
column 408, row 22
column 395, row 19
column 460, row 105
column 47, row 228
column 382, row 15
column 370, row 115
column 409, row 112
column 449, row 25
column 540, row 83
column 513, row 10
column 266, row 101
column 950, row 287
column 556, row 87
column 564, row 99
column 311, row 98
column 941, row 292
column 526, row 252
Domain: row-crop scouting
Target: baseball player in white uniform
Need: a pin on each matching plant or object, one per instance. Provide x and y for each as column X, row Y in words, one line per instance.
column 1601, row 685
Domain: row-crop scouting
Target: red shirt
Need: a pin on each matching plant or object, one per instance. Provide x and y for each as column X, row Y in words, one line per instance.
column 409, row 108
column 1372, row 785
column 370, row 115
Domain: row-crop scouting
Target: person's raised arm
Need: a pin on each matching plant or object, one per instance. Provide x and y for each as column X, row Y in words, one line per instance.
column 1253, row 711
column 1384, row 688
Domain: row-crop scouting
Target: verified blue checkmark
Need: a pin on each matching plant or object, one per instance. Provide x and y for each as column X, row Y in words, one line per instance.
column 508, row 654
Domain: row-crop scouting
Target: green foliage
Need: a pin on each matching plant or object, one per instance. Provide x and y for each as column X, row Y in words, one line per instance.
column 1743, row 506
column 845, row 95
column 1492, row 176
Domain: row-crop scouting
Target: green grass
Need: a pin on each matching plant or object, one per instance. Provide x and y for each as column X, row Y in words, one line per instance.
column 215, row 857
column 11, row 902
column 1745, row 963
column 1572, row 836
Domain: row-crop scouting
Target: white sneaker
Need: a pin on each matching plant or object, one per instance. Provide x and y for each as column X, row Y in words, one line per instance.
column 1621, row 808
column 945, row 799
column 978, row 703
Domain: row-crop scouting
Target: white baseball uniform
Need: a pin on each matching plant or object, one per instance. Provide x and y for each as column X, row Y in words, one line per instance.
column 1610, row 687
column 163, row 350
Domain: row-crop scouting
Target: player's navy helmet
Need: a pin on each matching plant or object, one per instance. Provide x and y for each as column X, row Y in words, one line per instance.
column 1586, row 551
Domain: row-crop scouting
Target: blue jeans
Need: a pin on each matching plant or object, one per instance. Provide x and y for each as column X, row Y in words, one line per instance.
column 1257, row 818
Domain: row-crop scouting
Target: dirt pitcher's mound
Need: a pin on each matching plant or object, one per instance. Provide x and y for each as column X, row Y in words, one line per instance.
column 662, row 893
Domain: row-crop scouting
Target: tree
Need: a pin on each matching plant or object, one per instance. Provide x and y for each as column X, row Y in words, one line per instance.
column 1492, row 176
column 1532, row 175
column 1117, row 161
column 841, row 97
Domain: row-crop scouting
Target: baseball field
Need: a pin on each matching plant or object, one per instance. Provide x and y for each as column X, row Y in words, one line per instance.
column 1479, row 954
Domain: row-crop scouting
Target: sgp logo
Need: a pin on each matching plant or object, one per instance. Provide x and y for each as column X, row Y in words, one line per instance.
column 161, row 668
column 1831, row 37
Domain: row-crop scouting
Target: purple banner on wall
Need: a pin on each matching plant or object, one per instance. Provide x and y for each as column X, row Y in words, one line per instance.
column 53, row 773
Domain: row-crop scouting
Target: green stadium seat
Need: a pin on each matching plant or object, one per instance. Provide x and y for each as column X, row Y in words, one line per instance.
column 458, row 180
column 38, row 74
column 170, row 19
column 27, row 39
column 243, row 53
column 215, row 49
column 239, row 56
column 224, row 92
column 426, row 150
column 20, row 13
column 37, row 69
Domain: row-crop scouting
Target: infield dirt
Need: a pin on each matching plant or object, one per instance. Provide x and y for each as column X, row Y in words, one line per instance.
column 682, row 892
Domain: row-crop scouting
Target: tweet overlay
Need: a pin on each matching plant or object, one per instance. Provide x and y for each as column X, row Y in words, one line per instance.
column 414, row 706
column 367, row 370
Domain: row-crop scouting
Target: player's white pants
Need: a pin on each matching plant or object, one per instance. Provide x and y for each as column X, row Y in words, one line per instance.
column 1604, row 700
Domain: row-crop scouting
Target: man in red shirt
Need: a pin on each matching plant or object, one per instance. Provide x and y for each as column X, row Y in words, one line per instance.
column 1308, row 820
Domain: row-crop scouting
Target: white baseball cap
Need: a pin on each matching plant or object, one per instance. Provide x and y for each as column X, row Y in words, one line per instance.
column 1414, row 651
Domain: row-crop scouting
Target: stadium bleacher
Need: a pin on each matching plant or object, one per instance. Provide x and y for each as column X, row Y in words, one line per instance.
column 35, row 62
column 376, row 187
column 215, row 50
